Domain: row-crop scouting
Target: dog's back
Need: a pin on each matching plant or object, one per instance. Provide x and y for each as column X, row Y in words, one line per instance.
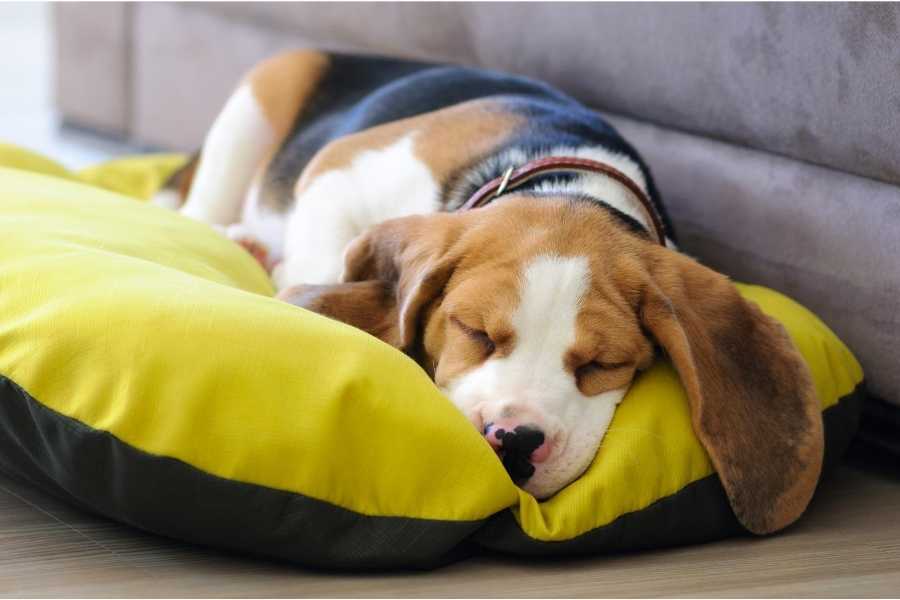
column 345, row 94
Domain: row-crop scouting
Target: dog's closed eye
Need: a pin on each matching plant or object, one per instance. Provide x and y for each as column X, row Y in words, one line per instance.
column 477, row 335
column 596, row 376
column 596, row 365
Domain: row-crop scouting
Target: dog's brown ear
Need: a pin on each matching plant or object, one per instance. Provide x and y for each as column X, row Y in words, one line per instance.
column 367, row 305
column 753, row 405
column 391, row 272
column 414, row 255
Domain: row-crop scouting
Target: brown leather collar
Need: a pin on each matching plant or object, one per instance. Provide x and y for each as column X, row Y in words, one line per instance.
column 513, row 178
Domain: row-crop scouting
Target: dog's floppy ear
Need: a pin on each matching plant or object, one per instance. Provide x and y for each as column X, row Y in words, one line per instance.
column 391, row 272
column 368, row 305
column 753, row 405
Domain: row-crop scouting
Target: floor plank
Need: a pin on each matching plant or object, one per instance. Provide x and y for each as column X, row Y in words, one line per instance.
column 848, row 544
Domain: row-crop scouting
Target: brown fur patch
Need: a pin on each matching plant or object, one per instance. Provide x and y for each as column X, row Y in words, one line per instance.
column 446, row 139
column 367, row 305
column 284, row 84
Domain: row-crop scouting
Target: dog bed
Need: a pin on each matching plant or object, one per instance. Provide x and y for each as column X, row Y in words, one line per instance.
column 147, row 374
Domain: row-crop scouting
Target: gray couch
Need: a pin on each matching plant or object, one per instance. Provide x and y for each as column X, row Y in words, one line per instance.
column 773, row 129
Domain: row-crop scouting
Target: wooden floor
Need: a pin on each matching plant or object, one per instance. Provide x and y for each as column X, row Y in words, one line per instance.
column 847, row 545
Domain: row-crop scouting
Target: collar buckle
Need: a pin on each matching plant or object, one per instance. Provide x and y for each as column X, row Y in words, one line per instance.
column 504, row 182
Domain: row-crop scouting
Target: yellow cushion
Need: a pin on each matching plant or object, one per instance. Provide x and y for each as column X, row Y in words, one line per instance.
column 126, row 321
column 136, row 176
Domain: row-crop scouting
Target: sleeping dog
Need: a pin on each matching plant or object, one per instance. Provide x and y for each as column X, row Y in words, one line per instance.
column 515, row 245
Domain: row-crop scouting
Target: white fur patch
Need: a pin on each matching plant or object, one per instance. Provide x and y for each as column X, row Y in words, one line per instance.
column 531, row 383
column 339, row 205
column 167, row 199
column 232, row 152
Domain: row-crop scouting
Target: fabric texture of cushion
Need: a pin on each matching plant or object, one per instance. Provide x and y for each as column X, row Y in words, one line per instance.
column 147, row 374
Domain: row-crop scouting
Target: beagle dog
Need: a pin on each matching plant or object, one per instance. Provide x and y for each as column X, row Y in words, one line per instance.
column 515, row 245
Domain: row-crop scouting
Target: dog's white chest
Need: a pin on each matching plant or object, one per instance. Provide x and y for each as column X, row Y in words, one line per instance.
column 340, row 204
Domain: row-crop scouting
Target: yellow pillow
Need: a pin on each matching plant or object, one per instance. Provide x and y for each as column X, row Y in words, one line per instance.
column 147, row 374
column 136, row 176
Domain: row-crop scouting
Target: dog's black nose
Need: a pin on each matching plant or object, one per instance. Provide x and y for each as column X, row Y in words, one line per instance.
column 516, row 448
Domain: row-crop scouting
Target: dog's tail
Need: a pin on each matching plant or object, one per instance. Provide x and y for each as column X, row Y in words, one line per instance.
column 174, row 191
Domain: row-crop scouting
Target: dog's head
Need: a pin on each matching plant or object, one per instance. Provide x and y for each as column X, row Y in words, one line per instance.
column 535, row 315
